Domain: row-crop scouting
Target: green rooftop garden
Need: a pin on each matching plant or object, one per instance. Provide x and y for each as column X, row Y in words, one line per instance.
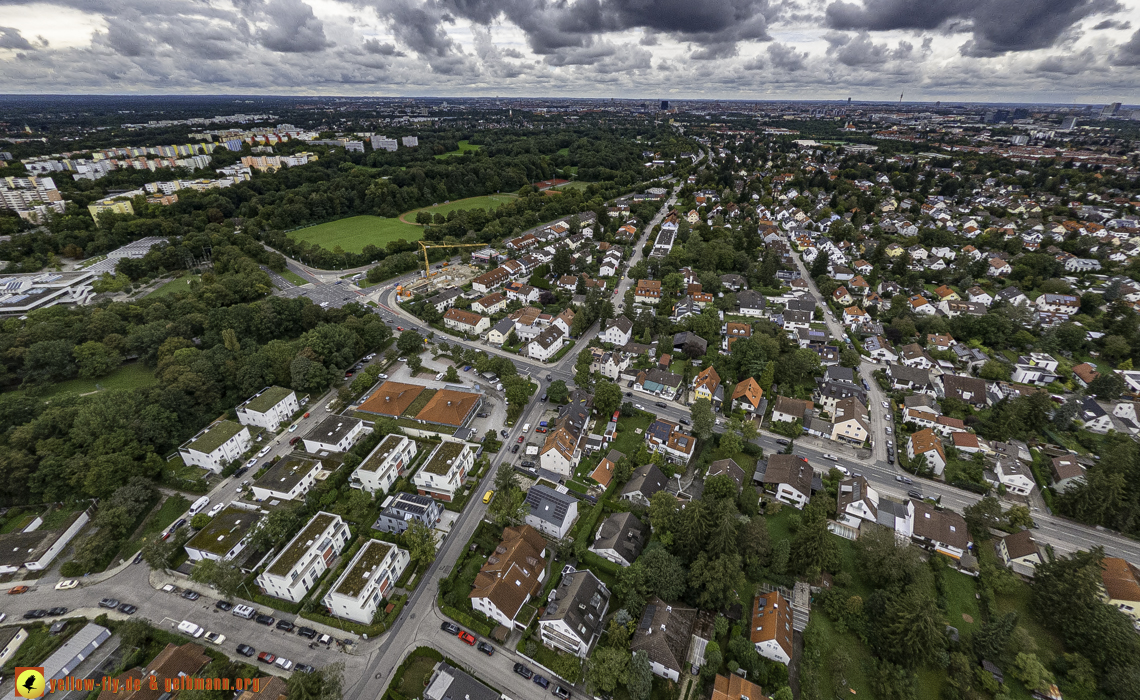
column 381, row 453
column 447, row 452
column 361, row 571
column 267, row 399
column 224, row 532
column 215, row 437
column 300, row 544
column 418, row 404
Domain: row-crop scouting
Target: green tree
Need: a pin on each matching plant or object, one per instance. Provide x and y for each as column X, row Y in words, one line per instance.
column 730, row 442
column 510, row 508
column 452, row 375
column 557, row 391
column 359, row 507
column 702, row 417
column 506, row 478
column 326, row 683
column 419, row 539
column 713, row 659
column 410, row 343
column 415, row 363
column 607, row 668
column 200, row 521
column 1108, row 386
column 562, row 262
column 607, row 398
column 849, row 357
column 275, row 529
column 820, row 265
column 995, row 371
column 225, row 576
column 1028, row 669
column 911, row 632
column 640, row 676
column 159, row 554
column 95, row 359
column 813, row 547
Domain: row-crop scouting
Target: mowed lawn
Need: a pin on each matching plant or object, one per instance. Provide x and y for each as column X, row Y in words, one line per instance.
column 355, row 232
column 488, row 202
column 130, row 376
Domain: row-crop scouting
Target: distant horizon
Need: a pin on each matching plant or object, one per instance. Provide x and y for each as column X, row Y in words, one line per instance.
column 673, row 101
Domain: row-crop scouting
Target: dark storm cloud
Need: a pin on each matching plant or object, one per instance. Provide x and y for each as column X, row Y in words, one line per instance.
column 373, row 46
column 998, row 26
column 122, row 37
column 1128, row 54
column 1113, row 24
column 11, row 39
column 419, row 26
column 293, row 28
column 861, row 51
column 1068, row 64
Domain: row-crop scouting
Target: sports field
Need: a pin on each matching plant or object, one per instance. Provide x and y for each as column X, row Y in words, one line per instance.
column 487, row 202
column 355, row 232
column 463, row 148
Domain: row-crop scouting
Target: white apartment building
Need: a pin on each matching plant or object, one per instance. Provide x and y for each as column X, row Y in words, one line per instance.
column 269, row 408
column 296, row 569
column 443, row 473
column 366, row 581
column 216, row 446
column 290, row 478
column 384, row 464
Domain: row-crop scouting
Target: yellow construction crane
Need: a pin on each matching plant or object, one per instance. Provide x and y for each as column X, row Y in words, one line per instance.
column 424, row 247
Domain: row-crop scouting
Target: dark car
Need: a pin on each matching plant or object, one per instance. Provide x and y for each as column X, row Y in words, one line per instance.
column 486, row 648
column 914, row 493
column 541, row 682
column 504, row 433
column 138, row 558
column 246, row 650
column 109, row 603
column 303, row 668
column 266, row 620
column 224, row 606
column 890, row 459
column 523, row 671
column 629, row 393
column 785, row 443
column 191, row 595
column 285, row 625
column 307, row 632
column 55, row 612
column 482, row 415
column 561, row 692
column 240, row 472
column 685, row 421
column 660, row 404
column 177, row 524
column 35, row 614
column 549, row 377
column 515, row 449
column 128, row 609
column 450, row 627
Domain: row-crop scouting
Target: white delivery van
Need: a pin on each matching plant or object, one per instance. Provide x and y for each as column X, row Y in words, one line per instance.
column 187, row 627
column 244, row 611
column 199, row 505
column 526, row 428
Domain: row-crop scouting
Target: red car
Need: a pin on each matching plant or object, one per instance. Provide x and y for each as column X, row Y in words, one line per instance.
column 266, row 658
column 399, row 328
column 520, row 438
column 467, row 637
column 541, row 430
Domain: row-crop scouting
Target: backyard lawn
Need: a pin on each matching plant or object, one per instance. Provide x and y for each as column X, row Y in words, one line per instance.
column 179, row 284
column 355, row 232
column 961, row 602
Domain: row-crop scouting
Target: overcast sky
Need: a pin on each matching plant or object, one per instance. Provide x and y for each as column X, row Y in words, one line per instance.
column 986, row 50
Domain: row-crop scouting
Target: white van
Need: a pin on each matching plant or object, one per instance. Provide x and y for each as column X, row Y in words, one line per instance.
column 244, row 611
column 526, row 428
column 329, row 405
column 187, row 627
column 439, row 376
column 199, row 505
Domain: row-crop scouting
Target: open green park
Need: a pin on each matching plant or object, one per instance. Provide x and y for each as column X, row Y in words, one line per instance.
column 355, row 232
column 464, row 147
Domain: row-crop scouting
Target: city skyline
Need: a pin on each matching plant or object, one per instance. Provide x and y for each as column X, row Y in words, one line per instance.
column 1067, row 52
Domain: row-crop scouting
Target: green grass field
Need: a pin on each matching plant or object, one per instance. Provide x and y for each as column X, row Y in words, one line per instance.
column 130, row 376
column 488, row 202
column 180, row 284
column 463, row 148
column 355, row 232
column 158, row 520
column 294, row 278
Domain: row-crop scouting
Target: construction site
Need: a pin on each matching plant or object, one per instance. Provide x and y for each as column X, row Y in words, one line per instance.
column 440, row 275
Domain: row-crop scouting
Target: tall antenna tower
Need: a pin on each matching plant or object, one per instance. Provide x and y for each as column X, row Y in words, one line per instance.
column 900, row 98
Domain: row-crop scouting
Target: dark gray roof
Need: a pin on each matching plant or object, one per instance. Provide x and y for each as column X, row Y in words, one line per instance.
column 505, row 326
column 549, row 505
column 750, row 299
column 664, row 632
column 914, row 375
column 333, row 429
column 726, row 467
column 580, row 601
column 840, row 374
column 450, row 683
column 622, row 323
column 684, row 337
column 646, row 480
column 623, row 533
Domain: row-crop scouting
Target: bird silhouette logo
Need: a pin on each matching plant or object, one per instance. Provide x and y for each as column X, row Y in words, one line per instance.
column 30, row 682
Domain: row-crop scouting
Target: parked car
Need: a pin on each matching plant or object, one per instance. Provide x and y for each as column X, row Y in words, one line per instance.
column 191, row 595
column 886, row 405
column 515, row 449
column 504, row 433
column 783, row 442
column 127, row 609
column 223, row 606
column 138, row 558
column 215, row 638
column 246, row 650
column 293, row 428
column 303, row 668
column 521, row 438
column 523, row 671
column 109, row 603
column 285, row 625
column 56, row 612
column 832, row 457
column 486, row 648
column 561, row 692
column 541, row 682
column 306, row 632
column 266, row 658
column 685, row 421
column 283, row 663
column 35, row 614
column 266, row 620
column 888, row 429
column 450, row 627
column 67, row 584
